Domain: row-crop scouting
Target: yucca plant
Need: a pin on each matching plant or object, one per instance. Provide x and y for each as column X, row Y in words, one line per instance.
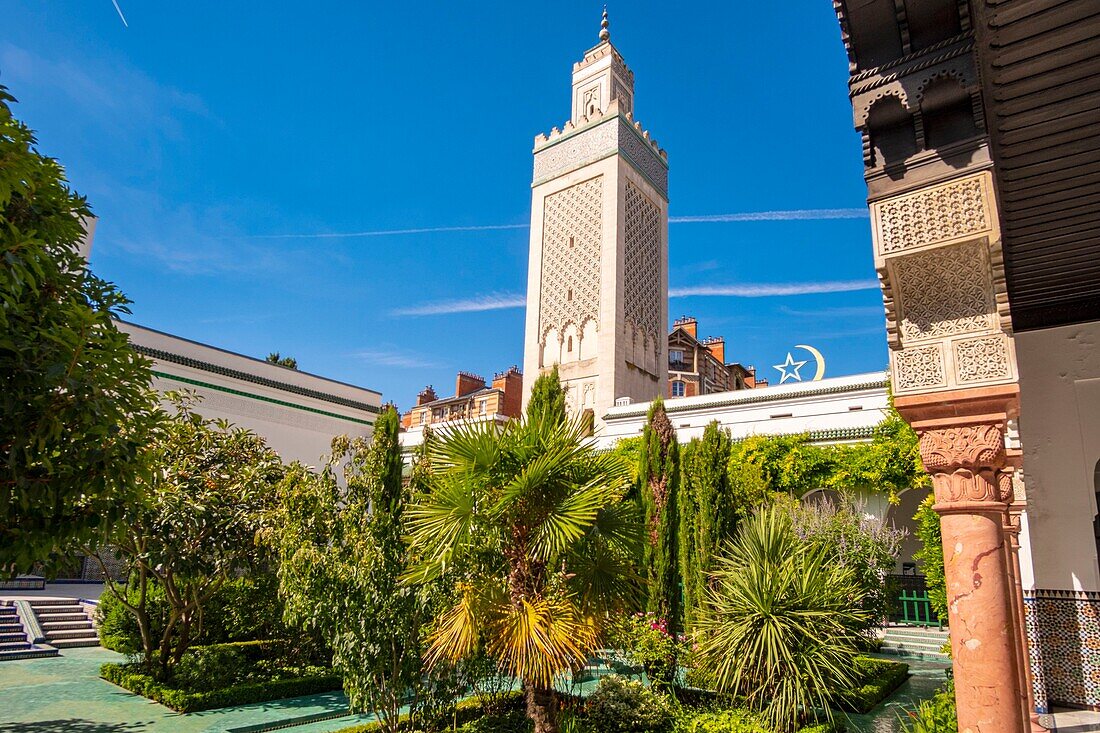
column 528, row 522
column 781, row 624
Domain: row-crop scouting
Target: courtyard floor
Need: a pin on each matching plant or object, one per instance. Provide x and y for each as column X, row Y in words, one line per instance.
column 65, row 693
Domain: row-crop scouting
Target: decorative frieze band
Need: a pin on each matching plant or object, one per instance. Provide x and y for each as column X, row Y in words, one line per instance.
column 597, row 141
column 943, row 213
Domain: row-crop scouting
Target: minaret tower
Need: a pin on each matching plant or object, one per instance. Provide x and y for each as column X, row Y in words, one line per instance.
column 597, row 286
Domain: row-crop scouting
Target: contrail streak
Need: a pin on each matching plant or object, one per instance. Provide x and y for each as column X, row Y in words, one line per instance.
column 792, row 215
column 491, row 302
column 389, row 232
column 764, row 290
column 120, row 15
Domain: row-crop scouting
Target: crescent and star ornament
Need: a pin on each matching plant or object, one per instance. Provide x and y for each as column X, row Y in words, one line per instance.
column 789, row 368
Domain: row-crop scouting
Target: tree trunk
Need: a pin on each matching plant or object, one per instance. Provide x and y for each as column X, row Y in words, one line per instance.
column 542, row 708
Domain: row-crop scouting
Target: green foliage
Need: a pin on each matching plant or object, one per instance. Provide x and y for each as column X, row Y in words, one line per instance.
column 132, row 678
column 526, row 523
column 75, row 405
column 512, row 722
column 201, row 511
column 658, row 476
column 938, row 715
column 890, row 463
column 735, row 720
column 341, row 557
column 877, row 678
column 204, row 669
column 930, row 555
column 285, row 361
column 620, row 705
column 547, row 398
column 646, row 640
column 629, row 451
column 856, row 540
column 781, row 623
column 709, row 508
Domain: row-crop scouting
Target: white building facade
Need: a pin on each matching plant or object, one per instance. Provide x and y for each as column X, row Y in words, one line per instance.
column 297, row 413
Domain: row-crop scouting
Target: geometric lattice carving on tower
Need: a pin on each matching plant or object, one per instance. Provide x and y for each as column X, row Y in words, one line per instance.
column 572, row 228
column 642, row 286
column 945, row 291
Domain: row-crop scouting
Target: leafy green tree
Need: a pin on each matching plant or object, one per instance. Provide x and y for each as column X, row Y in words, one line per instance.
column 341, row 558
column 709, row 511
column 781, row 623
column 547, row 398
column 196, row 524
column 658, row 476
column 930, row 555
column 287, row 361
column 527, row 525
column 75, row 403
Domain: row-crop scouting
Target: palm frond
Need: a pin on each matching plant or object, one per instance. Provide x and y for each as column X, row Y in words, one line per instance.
column 539, row 639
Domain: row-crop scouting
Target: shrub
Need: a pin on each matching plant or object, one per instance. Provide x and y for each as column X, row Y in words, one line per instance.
column 620, row 705
column 938, row 715
column 735, row 721
column 782, row 622
column 129, row 677
column 648, row 643
column 930, row 555
column 513, row 722
column 877, row 679
column 203, row 669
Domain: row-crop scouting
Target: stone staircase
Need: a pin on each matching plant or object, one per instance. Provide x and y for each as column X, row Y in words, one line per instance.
column 14, row 641
column 915, row 641
column 65, row 622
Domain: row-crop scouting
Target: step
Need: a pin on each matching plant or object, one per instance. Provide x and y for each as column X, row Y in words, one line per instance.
column 47, row 618
column 72, row 643
column 911, row 651
column 86, row 633
column 11, row 628
column 31, row 653
column 15, row 645
column 83, row 623
column 44, row 602
column 927, row 639
column 13, row 637
column 7, row 610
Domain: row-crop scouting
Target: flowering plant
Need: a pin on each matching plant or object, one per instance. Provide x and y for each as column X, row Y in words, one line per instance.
column 645, row 638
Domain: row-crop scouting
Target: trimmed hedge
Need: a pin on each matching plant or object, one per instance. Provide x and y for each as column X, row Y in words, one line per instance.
column 878, row 678
column 182, row 701
column 466, row 711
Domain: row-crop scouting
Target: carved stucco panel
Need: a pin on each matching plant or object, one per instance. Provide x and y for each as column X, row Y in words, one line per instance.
column 947, row 212
column 919, row 368
column 642, row 266
column 571, row 233
column 944, row 292
column 583, row 146
column 644, row 158
column 983, row 359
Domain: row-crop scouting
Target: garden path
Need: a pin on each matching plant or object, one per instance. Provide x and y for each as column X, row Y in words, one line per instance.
column 65, row 693
column 927, row 677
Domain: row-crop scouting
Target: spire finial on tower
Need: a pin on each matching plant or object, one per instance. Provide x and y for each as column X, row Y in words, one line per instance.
column 605, row 34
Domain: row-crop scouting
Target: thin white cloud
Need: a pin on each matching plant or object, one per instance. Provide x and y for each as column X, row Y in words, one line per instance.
column 393, row 358
column 764, row 290
column 855, row 311
column 490, row 302
column 790, row 215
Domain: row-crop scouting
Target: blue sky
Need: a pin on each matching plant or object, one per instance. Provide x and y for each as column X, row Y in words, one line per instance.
column 208, row 136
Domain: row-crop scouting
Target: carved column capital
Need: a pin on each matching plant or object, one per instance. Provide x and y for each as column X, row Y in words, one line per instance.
column 967, row 466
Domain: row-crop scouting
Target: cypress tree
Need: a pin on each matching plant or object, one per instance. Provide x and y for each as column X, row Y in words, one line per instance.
column 712, row 508
column 658, row 476
column 547, row 397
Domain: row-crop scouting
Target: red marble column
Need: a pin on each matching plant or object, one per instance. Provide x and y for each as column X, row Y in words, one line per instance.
column 967, row 461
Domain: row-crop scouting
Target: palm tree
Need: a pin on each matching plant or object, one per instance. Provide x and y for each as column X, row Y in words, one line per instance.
column 529, row 523
column 781, row 623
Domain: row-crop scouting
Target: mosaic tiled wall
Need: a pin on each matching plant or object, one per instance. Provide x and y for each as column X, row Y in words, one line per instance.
column 1063, row 633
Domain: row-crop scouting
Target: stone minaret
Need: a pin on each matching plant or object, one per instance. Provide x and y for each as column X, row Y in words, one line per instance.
column 597, row 286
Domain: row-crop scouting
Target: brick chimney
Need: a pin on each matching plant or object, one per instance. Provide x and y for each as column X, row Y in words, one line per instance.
column 717, row 347
column 511, row 383
column 468, row 382
column 426, row 395
column 689, row 324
